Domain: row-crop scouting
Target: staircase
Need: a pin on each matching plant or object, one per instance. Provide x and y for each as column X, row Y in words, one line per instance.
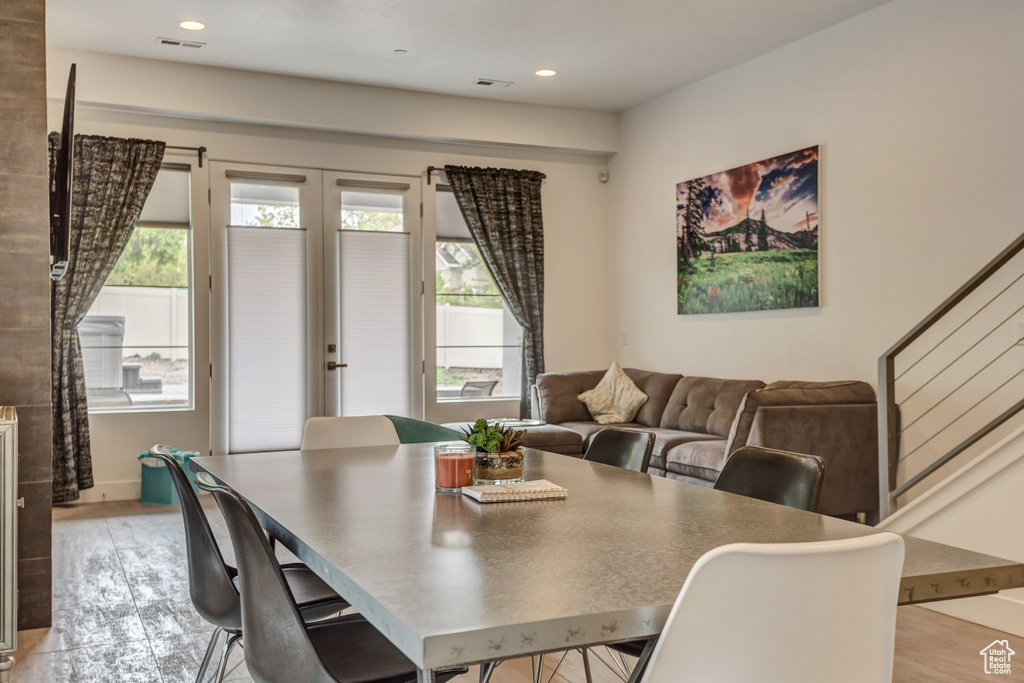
column 951, row 429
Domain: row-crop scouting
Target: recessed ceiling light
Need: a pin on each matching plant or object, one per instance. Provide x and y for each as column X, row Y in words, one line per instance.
column 192, row 25
column 546, row 72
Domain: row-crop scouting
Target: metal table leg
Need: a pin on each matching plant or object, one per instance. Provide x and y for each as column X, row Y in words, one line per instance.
column 424, row 675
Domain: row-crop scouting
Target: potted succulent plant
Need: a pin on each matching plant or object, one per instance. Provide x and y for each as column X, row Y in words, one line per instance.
column 499, row 454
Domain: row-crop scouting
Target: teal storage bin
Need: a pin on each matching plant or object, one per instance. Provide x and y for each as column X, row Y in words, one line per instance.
column 157, row 488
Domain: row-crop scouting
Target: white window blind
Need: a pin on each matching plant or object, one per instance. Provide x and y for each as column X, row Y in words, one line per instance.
column 375, row 323
column 451, row 226
column 267, row 345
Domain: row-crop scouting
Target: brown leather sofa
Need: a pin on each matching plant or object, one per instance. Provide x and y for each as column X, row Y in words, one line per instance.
column 699, row 421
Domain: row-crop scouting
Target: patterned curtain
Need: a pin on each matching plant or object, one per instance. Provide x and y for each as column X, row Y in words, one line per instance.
column 112, row 178
column 502, row 209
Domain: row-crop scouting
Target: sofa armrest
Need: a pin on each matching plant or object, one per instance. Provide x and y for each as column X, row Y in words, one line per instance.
column 837, row 421
column 844, row 436
column 557, row 392
column 794, row 394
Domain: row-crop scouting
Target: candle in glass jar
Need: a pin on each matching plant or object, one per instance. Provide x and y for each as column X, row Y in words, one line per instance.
column 453, row 466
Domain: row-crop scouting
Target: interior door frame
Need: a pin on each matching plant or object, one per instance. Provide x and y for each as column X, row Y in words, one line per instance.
column 412, row 218
column 311, row 219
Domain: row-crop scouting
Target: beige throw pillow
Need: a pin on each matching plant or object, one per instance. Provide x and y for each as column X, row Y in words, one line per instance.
column 615, row 398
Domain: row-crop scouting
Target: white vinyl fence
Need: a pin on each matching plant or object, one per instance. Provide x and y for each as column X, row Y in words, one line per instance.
column 155, row 318
column 469, row 326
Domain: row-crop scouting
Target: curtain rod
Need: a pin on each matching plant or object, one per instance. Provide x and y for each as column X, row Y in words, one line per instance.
column 199, row 150
column 430, row 172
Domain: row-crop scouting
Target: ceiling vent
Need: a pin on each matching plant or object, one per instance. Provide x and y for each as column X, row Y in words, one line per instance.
column 494, row 83
column 174, row 42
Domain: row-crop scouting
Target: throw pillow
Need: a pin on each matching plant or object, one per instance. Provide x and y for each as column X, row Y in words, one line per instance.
column 615, row 398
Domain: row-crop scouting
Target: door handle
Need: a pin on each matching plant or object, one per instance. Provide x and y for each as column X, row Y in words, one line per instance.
column 331, row 365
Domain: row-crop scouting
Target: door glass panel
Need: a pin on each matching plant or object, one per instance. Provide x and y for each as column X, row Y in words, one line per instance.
column 266, row 206
column 371, row 211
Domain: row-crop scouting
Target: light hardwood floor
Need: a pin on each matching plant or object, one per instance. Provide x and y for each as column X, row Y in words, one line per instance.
column 122, row 613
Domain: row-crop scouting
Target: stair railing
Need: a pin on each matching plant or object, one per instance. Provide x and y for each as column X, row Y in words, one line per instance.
column 890, row 428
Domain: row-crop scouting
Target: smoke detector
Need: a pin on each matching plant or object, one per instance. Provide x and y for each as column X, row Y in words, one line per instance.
column 175, row 42
column 494, row 82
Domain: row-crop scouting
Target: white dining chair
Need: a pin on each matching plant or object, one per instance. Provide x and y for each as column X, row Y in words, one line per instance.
column 348, row 432
column 792, row 612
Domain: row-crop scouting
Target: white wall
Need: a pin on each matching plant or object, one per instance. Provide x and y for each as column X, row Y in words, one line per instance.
column 576, row 311
column 917, row 110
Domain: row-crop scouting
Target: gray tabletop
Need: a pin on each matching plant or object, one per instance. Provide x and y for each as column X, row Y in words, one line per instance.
column 451, row 581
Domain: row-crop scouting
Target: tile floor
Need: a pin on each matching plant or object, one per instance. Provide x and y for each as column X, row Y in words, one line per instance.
column 122, row 613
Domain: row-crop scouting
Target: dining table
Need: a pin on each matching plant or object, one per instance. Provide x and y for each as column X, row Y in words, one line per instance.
column 451, row 582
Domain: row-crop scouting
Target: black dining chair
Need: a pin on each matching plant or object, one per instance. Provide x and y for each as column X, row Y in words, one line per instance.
column 280, row 646
column 790, row 479
column 625, row 448
column 212, row 581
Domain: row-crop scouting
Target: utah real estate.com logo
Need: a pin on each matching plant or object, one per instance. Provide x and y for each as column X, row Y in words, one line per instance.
column 997, row 657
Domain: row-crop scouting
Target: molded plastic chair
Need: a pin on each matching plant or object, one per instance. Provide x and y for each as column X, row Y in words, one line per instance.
column 625, row 448
column 411, row 430
column 786, row 612
column 348, row 432
column 211, row 580
column 279, row 646
column 779, row 477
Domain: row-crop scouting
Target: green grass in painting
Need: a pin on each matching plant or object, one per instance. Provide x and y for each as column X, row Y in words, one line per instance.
column 749, row 281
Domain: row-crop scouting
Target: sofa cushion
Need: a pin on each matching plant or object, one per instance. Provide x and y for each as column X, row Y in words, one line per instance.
column 700, row 459
column 615, row 398
column 703, row 404
column 658, row 386
column 588, row 428
column 558, row 393
column 664, row 439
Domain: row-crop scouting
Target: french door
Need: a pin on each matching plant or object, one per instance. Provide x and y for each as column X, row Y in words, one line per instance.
column 373, row 295
column 315, row 301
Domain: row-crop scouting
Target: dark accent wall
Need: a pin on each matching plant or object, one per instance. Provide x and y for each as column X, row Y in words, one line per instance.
column 25, row 288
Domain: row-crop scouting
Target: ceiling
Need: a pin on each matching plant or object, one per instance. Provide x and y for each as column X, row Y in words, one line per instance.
column 609, row 54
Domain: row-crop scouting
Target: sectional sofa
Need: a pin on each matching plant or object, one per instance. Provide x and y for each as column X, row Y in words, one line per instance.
column 699, row 421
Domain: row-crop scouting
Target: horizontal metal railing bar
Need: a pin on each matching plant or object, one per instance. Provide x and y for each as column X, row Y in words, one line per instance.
column 960, row 326
column 953, row 421
column 959, row 295
column 121, row 346
column 970, row 441
column 482, row 346
column 958, row 387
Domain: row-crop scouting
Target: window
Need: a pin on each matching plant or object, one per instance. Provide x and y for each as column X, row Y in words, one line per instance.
column 479, row 342
column 137, row 337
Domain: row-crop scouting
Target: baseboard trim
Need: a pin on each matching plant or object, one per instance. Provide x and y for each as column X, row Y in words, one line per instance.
column 993, row 611
column 130, row 489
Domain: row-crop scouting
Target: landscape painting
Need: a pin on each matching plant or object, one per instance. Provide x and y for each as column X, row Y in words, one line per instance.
column 747, row 238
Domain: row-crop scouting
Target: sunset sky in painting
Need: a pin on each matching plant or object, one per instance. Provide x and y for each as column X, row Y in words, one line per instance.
column 785, row 187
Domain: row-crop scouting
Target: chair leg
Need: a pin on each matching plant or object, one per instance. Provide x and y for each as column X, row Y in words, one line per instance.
column 557, row 664
column 209, row 654
column 229, row 645
column 586, row 665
